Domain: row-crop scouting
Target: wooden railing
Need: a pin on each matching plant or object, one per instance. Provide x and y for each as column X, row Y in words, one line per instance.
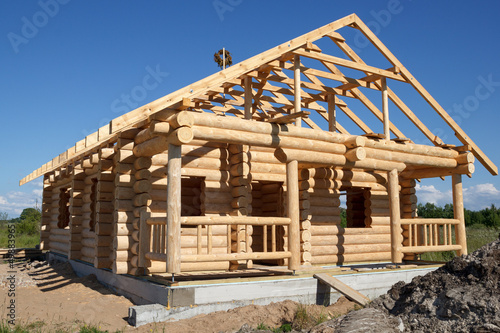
column 429, row 235
column 153, row 238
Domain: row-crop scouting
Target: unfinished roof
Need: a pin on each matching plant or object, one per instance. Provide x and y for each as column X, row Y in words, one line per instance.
column 271, row 97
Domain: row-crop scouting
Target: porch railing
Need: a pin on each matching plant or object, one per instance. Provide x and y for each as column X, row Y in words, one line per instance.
column 430, row 235
column 153, row 239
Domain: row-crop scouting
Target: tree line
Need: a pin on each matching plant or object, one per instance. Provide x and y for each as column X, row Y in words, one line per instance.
column 489, row 217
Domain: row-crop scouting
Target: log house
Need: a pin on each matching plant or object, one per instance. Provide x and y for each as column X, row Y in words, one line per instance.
column 249, row 166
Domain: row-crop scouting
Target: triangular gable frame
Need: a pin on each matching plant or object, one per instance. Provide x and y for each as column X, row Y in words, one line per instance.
column 265, row 68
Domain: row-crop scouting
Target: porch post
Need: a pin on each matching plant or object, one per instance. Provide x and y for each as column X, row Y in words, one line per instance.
column 174, row 209
column 458, row 212
column 292, row 189
column 396, row 232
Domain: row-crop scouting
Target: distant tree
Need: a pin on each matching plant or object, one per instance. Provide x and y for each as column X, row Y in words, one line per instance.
column 29, row 221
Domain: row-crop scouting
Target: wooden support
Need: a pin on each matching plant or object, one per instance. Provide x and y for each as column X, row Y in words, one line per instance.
column 289, row 118
column 396, row 237
column 343, row 288
column 292, row 182
column 248, row 97
column 297, row 89
column 332, row 115
column 458, row 210
column 174, row 209
column 385, row 109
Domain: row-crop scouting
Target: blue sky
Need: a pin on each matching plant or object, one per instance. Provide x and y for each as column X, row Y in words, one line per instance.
column 68, row 65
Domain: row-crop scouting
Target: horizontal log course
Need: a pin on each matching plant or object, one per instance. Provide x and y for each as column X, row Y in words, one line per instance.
column 235, row 256
column 411, row 148
column 324, row 192
column 88, row 252
column 102, row 262
column 125, row 180
column 87, row 259
column 104, row 229
column 273, row 177
column 408, row 190
column 324, row 211
column 409, row 199
column 124, row 229
column 411, row 159
column 350, row 258
column 325, row 219
column 461, row 169
column 142, row 186
column 104, row 218
column 122, row 256
column 334, row 240
column 124, row 205
column 120, row 267
column 337, row 184
column 346, row 175
column 377, row 220
column 105, row 241
column 159, row 144
column 465, row 158
column 349, row 249
column 436, row 248
column 142, row 163
column 59, row 247
column 122, row 243
column 305, row 247
column 88, row 242
column 332, row 229
column 143, row 199
column 160, row 266
column 266, row 140
column 105, row 187
column 142, row 174
column 59, row 238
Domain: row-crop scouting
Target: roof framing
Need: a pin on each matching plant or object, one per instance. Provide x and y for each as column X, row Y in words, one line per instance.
column 224, row 92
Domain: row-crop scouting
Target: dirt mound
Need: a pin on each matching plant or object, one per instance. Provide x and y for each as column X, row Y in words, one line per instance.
column 461, row 296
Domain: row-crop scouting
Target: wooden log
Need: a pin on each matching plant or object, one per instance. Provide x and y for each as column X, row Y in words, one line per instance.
column 349, row 249
column 142, row 186
column 102, row 263
column 355, row 154
column 350, row 258
column 334, row 240
column 142, row 163
column 465, row 158
column 331, row 229
column 173, row 208
column 159, row 144
column 346, row 175
column 411, row 148
column 266, row 140
column 324, row 211
column 458, row 210
column 143, row 199
column 122, row 243
column 295, row 235
column 396, row 237
column 461, row 169
column 325, row 219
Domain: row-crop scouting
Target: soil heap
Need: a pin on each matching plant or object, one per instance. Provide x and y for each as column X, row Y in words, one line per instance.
column 461, row 296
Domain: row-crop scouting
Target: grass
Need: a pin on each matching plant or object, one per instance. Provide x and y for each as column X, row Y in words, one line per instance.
column 477, row 236
column 22, row 240
column 38, row 327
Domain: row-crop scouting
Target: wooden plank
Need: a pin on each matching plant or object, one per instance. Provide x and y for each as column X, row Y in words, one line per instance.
column 344, row 289
column 289, row 118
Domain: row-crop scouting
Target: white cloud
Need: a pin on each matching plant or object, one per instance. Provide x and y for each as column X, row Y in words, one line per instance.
column 13, row 202
column 428, row 193
column 476, row 197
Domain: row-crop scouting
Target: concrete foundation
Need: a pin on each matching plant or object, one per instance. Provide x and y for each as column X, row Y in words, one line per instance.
column 174, row 302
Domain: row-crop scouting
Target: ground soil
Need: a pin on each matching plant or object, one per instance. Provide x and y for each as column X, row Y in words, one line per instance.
column 56, row 298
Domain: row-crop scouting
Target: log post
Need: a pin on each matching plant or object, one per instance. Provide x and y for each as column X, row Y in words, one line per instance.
column 174, row 209
column 458, row 211
column 396, row 232
column 296, row 82
column 385, row 109
column 248, row 97
column 332, row 116
column 292, row 185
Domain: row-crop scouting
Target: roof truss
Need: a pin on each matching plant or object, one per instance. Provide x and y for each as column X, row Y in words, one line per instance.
column 273, row 91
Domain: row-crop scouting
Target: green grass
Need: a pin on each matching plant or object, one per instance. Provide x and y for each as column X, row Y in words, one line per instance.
column 38, row 327
column 477, row 236
column 22, row 240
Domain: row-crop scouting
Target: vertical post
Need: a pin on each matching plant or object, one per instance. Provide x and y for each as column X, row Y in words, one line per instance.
column 144, row 239
column 248, row 97
column 396, row 232
column 174, row 209
column 458, row 211
column 385, row 109
column 296, row 86
column 292, row 188
column 332, row 115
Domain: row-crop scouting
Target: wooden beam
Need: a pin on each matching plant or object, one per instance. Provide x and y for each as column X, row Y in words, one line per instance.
column 173, row 229
column 458, row 212
column 349, row 64
column 395, row 214
column 292, row 188
column 248, row 97
column 332, row 116
column 296, row 88
column 385, row 109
